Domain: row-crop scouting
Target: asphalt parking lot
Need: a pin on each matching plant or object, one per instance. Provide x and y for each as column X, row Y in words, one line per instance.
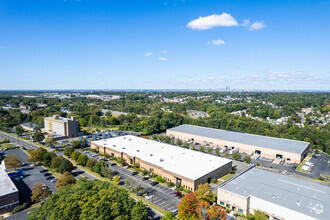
column 161, row 196
column 321, row 165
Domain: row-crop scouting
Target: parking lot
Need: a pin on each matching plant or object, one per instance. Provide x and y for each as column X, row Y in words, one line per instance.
column 32, row 176
column 161, row 196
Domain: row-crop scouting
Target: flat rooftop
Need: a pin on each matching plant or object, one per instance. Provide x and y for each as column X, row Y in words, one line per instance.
column 299, row 195
column 59, row 119
column 6, row 185
column 251, row 139
column 184, row 162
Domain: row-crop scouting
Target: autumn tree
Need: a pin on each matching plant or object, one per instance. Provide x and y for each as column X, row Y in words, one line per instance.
column 116, row 179
column 36, row 155
column 40, row 191
column 216, row 213
column 204, row 193
column 65, row 179
column 12, row 161
column 202, row 209
column 187, row 208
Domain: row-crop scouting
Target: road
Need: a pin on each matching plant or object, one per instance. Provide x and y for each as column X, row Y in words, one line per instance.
column 18, row 141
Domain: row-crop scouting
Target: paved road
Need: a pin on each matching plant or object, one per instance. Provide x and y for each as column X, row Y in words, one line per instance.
column 18, row 141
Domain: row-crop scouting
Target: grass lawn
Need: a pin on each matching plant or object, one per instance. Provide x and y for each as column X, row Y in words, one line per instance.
column 6, row 145
column 299, row 168
column 133, row 195
column 227, row 177
column 325, row 176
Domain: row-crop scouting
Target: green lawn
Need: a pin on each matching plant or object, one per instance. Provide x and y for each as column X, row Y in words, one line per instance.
column 227, row 177
column 325, row 176
column 6, row 145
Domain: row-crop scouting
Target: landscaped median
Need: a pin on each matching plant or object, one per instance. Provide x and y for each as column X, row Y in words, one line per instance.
column 299, row 168
column 227, row 177
column 136, row 197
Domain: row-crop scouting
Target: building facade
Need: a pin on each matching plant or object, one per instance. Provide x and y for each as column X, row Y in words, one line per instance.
column 285, row 149
column 174, row 164
column 9, row 195
column 68, row 127
column 277, row 195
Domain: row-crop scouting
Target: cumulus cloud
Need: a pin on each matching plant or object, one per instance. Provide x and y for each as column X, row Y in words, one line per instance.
column 211, row 21
column 246, row 22
column 257, row 25
column 162, row 58
column 164, row 51
column 216, row 42
column 148, row 54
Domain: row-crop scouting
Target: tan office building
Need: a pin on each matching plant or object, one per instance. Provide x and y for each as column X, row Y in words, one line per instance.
column 59, row 126
column 173, row 163
column 270, row 147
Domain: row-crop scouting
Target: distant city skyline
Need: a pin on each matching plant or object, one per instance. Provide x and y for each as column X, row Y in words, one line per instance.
column 86, row 44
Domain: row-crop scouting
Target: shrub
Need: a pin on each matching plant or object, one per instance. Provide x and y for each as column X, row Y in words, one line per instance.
column 160, row 179
column 237, row 156
column 170, row 184
column 258, row 164
column 20, row 208
column 232, row 172
column 214, row 180
column 247, row 159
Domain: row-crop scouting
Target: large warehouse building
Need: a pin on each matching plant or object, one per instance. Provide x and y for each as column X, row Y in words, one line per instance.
column 279, row 196
column 287, row 150
column 174, row 164
column 9, row 196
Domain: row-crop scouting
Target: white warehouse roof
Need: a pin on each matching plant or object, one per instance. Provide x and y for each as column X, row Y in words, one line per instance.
column 6, row 185
column 184, row 162
column 250, row 139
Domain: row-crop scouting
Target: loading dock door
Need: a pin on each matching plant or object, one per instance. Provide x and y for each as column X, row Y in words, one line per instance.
column 257, row 151
column 280, row 156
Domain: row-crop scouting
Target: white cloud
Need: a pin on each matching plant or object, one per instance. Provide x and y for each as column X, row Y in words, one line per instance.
column 164, row 51
column 148, row 54
column 246, row 22
column 99, row 73
column 211, row 21
column 162, row 58
column 211, row 78
column 257, row 25
column 217, row 42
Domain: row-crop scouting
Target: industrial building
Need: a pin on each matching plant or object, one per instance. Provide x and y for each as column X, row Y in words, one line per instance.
column 278, row 195
column 270, row 147
column 175, row 164
column 61, row 127
column 9, row 196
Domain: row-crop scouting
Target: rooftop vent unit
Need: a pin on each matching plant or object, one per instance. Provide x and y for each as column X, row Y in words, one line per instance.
column 137, row 150
column 150, row 155
column 161, row 160
column 124, row 137
column 124, row 148
column 114, row 145
column 129, row 139
column 298, row 203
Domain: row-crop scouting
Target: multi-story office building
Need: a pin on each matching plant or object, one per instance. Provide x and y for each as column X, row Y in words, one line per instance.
column 9, row 196
column 270, row 147
column 59, row 126
column 278, row 195
column 175, row 164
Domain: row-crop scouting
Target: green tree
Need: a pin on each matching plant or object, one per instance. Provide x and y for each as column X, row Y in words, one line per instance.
column 68, row 151
column 247, row 159
column 76, row 144
column 47, row 158
column 56, row 162
column 65, row 166
column 201, row 149
column 50, row 141
column 168, row 216
column 65, row 179
column 90, row 163
column 19, row 130
column 139, row 211
column 38, row 136
column 82, row 160
column 75, row 155
column 116, row 179
column 236, row 156
column 36, row 155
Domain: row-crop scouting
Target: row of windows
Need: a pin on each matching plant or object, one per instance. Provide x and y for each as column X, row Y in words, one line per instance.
column 233, row 207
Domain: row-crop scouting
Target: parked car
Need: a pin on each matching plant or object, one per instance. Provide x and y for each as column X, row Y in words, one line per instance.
column 47, row 174
column 144, row 178
column 148, row 197
column 153, row 183
column 294, row 167
column 44, row 170
column 178, row 194
column 112, row 164
column 133, row 173
column 175, row 212
column 284, row 171
column 53, row 180
column 49, row 178
column 315, row 156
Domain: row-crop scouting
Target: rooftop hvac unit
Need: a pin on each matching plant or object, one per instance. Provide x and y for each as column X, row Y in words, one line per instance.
column 150, row 155
column 114, row 145
column 137, row 150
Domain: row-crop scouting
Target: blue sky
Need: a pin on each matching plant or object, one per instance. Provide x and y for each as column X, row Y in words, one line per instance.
column 190, row 44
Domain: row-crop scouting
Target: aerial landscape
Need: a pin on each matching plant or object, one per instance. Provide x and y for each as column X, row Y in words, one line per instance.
column 164, row 109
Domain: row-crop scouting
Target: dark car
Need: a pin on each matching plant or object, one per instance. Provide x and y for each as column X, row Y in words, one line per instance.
column 294, row 167
column 112, row 164
column 44, row 170
column 177, row 193
column 49, row 178
column 47, row 174
column 315, row 156
column 133, row 173
column 154, row 183
column 144, row 178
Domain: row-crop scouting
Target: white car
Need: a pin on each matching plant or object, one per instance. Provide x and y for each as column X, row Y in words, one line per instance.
column 284, row 171
column 149, row 197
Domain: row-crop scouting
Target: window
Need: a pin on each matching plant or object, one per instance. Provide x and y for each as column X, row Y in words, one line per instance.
column 222, row 203
column 240, row 211
column 228, row 206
